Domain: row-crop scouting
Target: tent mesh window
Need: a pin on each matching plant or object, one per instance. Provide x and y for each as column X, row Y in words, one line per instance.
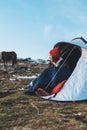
column 65, row 49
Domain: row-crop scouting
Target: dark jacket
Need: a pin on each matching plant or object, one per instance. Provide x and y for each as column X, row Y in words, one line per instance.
column 50, row 77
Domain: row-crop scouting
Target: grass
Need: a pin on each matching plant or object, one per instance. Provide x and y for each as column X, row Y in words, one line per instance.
column 22, row 112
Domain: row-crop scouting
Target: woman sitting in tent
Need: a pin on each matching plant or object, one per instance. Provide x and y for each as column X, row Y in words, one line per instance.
column 56, row 72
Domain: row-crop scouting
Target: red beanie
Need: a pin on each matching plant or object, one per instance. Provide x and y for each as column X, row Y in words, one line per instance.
column 55, row 52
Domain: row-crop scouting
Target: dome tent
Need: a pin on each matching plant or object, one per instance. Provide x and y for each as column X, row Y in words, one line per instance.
column 75, row 88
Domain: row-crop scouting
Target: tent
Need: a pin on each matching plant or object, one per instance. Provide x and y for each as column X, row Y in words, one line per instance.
column 75, row 88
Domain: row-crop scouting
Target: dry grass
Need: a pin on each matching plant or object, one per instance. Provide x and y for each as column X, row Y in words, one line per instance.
column 21, row 112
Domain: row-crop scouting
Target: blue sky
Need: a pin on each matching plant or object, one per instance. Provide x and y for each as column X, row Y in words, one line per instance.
column 32, row 27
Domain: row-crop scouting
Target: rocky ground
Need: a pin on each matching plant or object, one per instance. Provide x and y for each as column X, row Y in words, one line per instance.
column 22, row 112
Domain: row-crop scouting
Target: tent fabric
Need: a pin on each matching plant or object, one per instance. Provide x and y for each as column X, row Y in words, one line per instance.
column 75, row 89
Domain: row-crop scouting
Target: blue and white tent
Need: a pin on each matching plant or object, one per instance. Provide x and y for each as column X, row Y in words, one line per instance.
column 75, row 88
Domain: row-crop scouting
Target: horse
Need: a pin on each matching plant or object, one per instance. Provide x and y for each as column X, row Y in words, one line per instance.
column 8, row 56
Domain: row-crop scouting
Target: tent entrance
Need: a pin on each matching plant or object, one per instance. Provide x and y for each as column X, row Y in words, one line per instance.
column 65, row 49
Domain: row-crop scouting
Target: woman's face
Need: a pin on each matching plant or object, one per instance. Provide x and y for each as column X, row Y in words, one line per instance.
column 53, row 59
column 50, row 58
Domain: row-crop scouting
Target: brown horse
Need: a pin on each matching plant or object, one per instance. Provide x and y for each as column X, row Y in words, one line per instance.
column 8, row 56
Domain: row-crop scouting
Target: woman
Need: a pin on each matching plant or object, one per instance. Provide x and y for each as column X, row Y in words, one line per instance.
column 56, row 72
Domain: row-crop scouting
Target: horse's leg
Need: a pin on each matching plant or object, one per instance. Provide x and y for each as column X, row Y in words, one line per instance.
column 4, row 64
column 12, row 62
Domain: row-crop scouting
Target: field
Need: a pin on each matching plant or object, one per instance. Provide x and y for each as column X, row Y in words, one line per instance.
column 24, row 112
